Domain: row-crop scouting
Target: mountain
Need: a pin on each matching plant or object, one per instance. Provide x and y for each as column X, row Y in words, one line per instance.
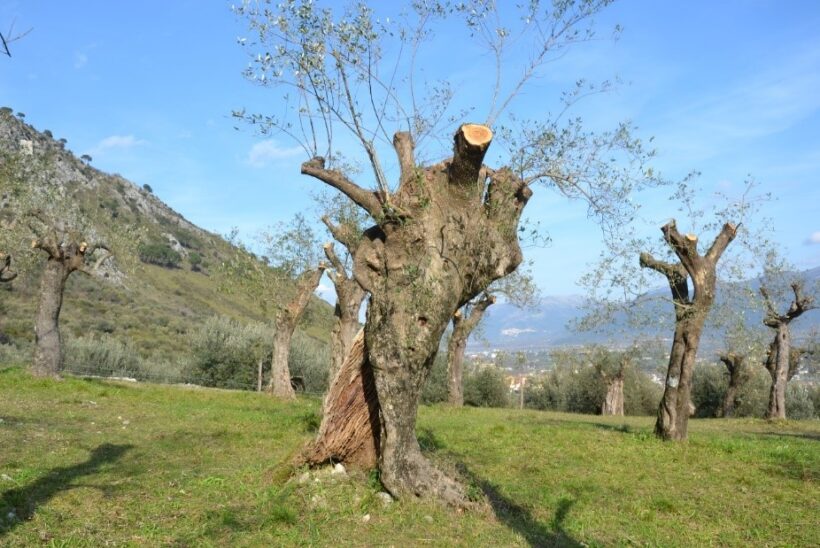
column 548, row 325
column 155, row 307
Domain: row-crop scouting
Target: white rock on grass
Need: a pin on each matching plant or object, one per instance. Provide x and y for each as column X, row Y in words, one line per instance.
column 338, row 470
column 304, row 478
column 385, row 498
column 366, row 518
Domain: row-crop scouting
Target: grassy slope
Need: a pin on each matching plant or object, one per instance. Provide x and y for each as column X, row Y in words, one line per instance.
column 209, row 467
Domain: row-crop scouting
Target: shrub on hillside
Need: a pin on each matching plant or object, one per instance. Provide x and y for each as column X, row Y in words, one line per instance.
column 310, row 360
column 101, row 355
column 799, row 404
column 159, row 254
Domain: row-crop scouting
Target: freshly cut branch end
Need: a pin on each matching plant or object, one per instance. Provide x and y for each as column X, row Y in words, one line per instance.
column 692, row 238
column 477, row 135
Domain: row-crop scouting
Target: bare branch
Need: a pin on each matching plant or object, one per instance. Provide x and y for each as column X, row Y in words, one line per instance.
column 367, row 200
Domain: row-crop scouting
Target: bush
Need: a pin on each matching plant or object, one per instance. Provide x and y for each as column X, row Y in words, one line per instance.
column 226, row 354
column 309, row 359
column 486, row 387
column 101, row 355
column 195, row 260
column 159, row 254
column 435, row 389
column 709, row 385
column 799, row 404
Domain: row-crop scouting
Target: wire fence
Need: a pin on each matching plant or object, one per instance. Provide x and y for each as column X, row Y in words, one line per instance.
column 173, row 378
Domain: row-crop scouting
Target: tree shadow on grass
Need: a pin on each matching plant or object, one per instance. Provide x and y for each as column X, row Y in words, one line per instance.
column 515, row 516
column 21, row 502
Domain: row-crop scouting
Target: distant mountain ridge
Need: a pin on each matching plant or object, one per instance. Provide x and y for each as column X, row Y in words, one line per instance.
column 510, row 328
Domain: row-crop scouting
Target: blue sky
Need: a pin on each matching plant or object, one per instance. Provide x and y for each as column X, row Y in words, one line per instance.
column 729, row 88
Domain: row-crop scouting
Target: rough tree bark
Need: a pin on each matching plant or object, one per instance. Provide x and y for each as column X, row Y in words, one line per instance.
column 690, row 315
column 350, row 426
column 781, row 362
column 737, row 374
column 349, row 297
column 285, row 324
column 462, row 328
column 446, row 233
column 6, row 273
column 614, row 400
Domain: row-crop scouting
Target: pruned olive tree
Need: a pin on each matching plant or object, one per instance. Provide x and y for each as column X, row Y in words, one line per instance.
column 446, row 229
column 282, row 281
column 782, row 360
column 50, row 215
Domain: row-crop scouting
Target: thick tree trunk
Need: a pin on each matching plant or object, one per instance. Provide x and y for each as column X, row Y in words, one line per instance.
column 350, row 426
column 614, row 400
column 690, row 315
column 778, row 366
column 464, row 322
column 447, row 233
column 735, row 366
column 780, row 362
column 279, row 384
column 48, row 356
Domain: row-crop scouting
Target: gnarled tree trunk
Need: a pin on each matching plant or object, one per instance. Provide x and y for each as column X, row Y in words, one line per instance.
column 614, row 400
column 442, row 238
column 781, row 362
column 735, row 365
column 285, row 324
column 456, row 346
column 690, row 315
column 48, row 356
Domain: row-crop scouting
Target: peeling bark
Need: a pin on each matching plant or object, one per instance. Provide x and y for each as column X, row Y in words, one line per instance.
column 737, row 375
column 456, row 346
column 350, row 426
column 285, row 324
column 781, row 362
column 690, row 315
column 447, row 233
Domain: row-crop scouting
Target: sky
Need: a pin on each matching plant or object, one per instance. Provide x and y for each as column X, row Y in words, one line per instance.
column 730, row 88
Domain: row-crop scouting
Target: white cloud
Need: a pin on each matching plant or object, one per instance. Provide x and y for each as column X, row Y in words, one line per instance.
column 262, row 153
column 80, row 60
column 114, row 142
column 814, row 238
column 514, row 331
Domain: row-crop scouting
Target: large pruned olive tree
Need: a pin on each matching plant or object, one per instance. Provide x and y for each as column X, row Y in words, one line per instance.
column 444, row 230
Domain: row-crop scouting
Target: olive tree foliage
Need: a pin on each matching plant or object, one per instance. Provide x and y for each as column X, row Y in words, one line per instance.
column 443, row 232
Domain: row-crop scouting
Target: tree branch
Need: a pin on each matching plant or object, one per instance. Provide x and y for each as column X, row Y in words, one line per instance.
column 341, row 273
column 367, row 200
column 470, row 144
column 722, row 240
column 403, row 143
column 685, row 247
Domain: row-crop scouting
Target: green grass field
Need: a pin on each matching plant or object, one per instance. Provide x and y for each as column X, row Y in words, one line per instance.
column 93, row 463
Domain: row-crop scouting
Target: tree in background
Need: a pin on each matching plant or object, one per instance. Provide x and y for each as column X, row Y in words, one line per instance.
column 448, row 229
column 290, row 255
column 612, row 368
column 782, row 361
column 738, row 375
column 6, row 272
column 345, row 222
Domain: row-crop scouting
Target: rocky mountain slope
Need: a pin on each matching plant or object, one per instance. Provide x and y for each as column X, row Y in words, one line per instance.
column 156, row 307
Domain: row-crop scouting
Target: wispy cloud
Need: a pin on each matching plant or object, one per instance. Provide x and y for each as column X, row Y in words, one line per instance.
column 80, row 60
column 263, row 153
column 116, row 142
column 814, row 238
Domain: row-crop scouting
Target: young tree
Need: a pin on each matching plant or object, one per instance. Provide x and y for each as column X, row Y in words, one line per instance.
column 448, row 229
column 690, row 316
column 782, row 360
